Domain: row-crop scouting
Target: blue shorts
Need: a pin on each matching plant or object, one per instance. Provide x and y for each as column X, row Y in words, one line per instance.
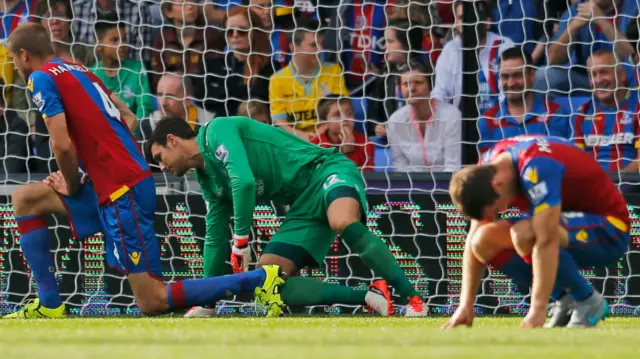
column 594, row 240
column 82, row 210
column 128, row 227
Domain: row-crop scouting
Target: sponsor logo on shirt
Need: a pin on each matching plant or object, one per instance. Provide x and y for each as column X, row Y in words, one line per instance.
column 222, row 154
column 331, row 181
column 38, row 101
column 538, row 192
column 622, row 138
column 626, row 119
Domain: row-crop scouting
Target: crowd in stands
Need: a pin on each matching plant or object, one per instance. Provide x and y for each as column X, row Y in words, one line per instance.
column 369, row 77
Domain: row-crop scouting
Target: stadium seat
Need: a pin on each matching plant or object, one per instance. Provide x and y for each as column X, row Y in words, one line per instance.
column 382, row 159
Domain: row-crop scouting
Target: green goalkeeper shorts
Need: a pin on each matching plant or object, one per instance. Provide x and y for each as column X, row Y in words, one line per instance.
column 306, row 224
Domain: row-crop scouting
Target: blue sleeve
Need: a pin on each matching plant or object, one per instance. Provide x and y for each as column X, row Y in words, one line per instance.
column 541, row 180
column 564, row 22
column 45, row 94
column 561, row 124
column 486, row 141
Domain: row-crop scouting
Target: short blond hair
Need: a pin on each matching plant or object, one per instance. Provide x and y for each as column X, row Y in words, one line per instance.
column 253, row 108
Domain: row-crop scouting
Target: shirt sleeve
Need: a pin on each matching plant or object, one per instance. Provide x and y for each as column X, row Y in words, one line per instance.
column 399, row 160
column 45, row 94
column 279, row 105
column 453, row 143
column 541, row 180
column 224, row 141
column 443, row 89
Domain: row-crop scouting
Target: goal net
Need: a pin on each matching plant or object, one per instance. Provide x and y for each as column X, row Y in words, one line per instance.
column 411, row 212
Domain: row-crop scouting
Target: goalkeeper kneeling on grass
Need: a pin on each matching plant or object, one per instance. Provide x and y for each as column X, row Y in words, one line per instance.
column 239, row 160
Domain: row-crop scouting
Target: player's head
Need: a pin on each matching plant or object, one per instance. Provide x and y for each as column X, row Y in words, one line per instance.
column 516, row 73
column 112, row 39
column 256, row 110
column 55, row 16
column 172, row 145
column 481, row 8
column 415, row 81
column 304, row 41
column 29, row 48
column 335, row 113
column 480, row 191
column 606, row 76
column 174, row 95
column 181, row 12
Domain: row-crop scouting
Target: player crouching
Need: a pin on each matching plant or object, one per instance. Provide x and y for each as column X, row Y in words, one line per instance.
column 576, row 219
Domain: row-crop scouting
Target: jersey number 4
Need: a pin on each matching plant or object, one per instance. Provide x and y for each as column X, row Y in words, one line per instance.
column 106, row 101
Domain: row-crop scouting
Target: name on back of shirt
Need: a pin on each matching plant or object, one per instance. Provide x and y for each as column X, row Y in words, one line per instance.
column 60, row 69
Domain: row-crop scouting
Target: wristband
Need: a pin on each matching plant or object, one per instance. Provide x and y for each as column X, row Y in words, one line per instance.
column 240, row 241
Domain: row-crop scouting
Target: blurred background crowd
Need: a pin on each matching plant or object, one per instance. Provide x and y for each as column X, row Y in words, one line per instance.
column 382, row 80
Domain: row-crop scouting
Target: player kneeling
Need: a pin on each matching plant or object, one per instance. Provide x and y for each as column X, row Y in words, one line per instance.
column 576, row 219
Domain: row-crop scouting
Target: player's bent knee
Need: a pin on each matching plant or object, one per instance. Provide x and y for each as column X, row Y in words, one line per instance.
column 34, row 199
column 490, row 239
column 288, row 267
column 523, row 237
column 151, row 293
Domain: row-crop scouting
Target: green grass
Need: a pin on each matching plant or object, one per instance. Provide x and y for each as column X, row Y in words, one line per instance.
column 307, row 338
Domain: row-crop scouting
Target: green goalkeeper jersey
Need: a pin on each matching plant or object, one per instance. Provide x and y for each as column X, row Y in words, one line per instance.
column 245, row 161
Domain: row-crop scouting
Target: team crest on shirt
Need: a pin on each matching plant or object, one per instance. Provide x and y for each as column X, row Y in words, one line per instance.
column 222, row 153
column 361, row 22
column 626, row 119
column 325, row 89
column 30, row 85
column 531, row 175
column 38, row 101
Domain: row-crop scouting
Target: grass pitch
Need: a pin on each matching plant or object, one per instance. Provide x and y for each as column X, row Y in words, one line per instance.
column 308, row 338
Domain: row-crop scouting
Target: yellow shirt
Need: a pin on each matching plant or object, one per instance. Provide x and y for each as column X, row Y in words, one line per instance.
column 296, row 101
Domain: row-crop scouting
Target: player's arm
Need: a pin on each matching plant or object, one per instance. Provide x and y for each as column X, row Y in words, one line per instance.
column 64, row 151
column 542, row 181
column 223, row 139
column 45, row 95
column 127, row 115
column 472, row 270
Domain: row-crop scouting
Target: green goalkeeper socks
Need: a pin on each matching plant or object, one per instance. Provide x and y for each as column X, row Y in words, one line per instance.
column 312, row 291
column 377, row 256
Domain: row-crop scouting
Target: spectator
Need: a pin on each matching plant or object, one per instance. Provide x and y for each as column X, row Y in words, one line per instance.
column 256, row 110
column 608, row 126
column 448, row 86
column 14, row 149
column 424, row 15
column 424, row 135
column 336, row 129
column 585, row 28
column 175, row 98
column 518, row 20
column 243, row 73
column 126, row 77
column 136, row 15
column 55, row 16
column 184, row 44
column 13, row 13
column 295, row 90
column 522, row 111
column 403, row 42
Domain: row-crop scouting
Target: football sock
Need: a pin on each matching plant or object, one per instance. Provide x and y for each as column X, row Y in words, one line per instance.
column 569, row 277
column 312, row 291
column 377, row 256
column 511, row 264
column 187, row 293
column 34, row 241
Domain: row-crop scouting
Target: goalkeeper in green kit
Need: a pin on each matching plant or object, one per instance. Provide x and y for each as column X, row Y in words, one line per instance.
column 238, row 161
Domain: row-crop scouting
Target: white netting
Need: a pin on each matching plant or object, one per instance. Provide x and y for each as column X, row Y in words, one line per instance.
column 413, row 214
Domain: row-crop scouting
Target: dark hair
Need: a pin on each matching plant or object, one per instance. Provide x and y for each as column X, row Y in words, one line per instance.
column 420, row 66
column 516, row 53
column 304, row 25
column 471, row 190
column 169, row 126
column 410, row 36
column 481, row 8
column 105, row 24
column 45, row 6
column 325, row 103
column 31, row 37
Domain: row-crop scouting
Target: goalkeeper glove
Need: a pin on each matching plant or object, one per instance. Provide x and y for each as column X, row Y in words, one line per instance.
column 240, row 254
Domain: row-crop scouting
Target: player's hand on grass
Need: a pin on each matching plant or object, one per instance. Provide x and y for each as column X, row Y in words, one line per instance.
column 463, row 316
column 534, row 319
column 240, row 254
